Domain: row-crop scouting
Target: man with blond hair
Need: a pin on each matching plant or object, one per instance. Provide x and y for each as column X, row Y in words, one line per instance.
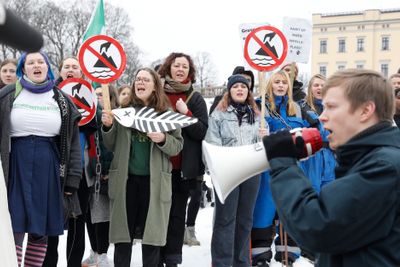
column 355, row 220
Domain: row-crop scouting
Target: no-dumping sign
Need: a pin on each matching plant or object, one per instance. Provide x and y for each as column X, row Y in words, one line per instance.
column 102, row 59
column 83, row 96
column 265, row 48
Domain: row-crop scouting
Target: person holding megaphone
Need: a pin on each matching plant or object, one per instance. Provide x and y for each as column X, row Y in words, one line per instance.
column 355, row 219
column 235, row 122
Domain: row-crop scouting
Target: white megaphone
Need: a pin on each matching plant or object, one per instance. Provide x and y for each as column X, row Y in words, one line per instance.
column 230, row 166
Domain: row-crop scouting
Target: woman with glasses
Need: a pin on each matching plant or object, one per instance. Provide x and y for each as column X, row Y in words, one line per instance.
column 140, row 176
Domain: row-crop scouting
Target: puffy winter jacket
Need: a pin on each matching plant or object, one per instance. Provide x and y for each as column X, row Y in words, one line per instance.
column 355, row 220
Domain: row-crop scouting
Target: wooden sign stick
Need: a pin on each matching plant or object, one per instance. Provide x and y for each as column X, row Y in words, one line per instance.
column 106, row 96
column 261, row 87
column 292, row 75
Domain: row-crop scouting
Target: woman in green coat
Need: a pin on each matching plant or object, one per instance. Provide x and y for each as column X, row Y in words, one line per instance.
column 140, row 176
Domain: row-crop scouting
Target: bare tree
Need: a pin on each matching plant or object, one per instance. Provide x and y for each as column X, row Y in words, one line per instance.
column 63, row 25
column 55, row 28
column 205, row 69
column 118, row 27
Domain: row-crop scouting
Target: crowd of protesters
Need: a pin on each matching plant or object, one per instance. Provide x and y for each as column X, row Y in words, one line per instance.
column 150, row 185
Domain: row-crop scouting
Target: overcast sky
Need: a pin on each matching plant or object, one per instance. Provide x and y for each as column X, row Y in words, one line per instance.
column 189, row 26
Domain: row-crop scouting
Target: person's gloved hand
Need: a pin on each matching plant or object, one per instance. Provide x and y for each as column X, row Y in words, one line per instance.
column 280, row 144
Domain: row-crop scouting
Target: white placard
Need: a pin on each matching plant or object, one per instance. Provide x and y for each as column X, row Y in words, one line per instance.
column 298, row 33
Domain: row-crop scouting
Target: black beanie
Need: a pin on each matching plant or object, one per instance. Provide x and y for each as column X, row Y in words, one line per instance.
column 241, row 70
column 238, row 78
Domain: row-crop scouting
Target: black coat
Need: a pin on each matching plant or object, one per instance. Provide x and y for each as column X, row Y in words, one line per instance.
column 193, row 135
column 355, row 221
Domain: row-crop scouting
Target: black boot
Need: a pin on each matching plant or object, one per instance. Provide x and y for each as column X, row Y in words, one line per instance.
column 261, row 260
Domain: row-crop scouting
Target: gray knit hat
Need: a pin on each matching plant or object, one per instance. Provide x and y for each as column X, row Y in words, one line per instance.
column 237, row 78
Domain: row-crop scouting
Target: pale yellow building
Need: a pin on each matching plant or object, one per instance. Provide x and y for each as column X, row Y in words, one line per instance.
column 367, row 39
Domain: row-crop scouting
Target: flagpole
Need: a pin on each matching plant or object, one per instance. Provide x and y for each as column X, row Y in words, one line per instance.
column 96, row 26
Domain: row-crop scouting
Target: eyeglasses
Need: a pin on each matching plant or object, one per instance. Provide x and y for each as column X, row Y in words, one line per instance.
column 142, row 79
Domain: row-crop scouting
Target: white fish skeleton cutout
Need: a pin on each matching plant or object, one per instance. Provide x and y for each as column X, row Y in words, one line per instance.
column 148, row 120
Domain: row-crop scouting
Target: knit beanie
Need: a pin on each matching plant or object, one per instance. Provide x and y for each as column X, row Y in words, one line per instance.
column 237, row 78
column 242, row 70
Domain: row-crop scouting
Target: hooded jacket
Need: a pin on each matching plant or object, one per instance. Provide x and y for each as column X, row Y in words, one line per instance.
column 355, row 221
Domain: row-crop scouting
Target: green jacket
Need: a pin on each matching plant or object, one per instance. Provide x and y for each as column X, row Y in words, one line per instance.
column 118, row 140
column 355, row 220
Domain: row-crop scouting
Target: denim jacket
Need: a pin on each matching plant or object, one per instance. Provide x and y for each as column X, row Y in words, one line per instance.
column 224, row 129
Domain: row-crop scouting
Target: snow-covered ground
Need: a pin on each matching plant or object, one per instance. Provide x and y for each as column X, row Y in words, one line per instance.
column 199, row 256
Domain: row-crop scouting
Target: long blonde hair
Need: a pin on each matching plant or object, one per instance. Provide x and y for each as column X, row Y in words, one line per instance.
column 310, row 98
column 291, row 110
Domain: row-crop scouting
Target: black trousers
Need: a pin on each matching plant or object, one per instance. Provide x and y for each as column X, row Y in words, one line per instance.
column 171, row 253
column 51, row 258
column 123, row 254
column 194, row 203
column 261, row 240
column 76, row 228
column 137, row 206
column 76, row 234
column 98, row 234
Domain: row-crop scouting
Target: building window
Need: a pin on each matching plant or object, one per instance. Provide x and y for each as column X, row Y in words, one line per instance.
column 360, row 66
column 322, row 47
column 385, row 69
column 342, row 46
column 385, row 43
column 360, row 44
column 322, row 70
column 341, row 67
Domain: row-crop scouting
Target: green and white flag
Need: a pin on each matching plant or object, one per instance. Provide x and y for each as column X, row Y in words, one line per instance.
column 97, row 22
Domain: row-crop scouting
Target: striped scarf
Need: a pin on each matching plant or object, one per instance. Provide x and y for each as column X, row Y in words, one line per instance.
column 173, row 87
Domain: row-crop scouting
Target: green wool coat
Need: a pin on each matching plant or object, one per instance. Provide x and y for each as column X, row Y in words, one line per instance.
column 118, row 140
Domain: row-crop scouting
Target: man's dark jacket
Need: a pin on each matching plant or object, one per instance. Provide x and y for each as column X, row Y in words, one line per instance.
column 355, row 221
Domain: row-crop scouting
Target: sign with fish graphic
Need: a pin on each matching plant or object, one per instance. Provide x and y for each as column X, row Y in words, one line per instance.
column 265, row 48
column 102, row 59
column 147, row 120
column 83, row 96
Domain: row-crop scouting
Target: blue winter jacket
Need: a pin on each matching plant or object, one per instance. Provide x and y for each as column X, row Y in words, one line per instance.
column 320, row 168
column 264, row 211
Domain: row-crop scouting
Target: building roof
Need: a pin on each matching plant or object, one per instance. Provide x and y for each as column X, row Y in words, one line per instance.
column 351, row 13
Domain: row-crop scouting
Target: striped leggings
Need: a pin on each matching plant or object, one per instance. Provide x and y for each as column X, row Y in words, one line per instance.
column 35, row 249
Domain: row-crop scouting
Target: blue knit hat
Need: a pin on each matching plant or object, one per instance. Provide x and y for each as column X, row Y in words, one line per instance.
column 237, row 78
column 21, row 63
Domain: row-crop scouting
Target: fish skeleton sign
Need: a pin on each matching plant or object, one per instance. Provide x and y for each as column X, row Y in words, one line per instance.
column 148, row 120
